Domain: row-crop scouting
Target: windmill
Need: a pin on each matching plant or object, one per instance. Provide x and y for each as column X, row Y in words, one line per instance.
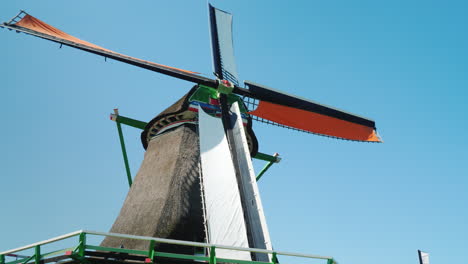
column 177, row 126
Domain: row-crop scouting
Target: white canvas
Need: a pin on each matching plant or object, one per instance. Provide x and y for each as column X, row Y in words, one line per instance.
column 253, row 206
column 424, row 257
column 223, row 209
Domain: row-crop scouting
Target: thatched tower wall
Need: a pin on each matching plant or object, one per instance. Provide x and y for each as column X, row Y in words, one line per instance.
column 164, row 200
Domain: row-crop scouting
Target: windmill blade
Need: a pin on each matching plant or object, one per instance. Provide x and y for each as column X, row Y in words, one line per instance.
column 278, row 107
column 224, row 62
column 309, row 116
column 30, row 25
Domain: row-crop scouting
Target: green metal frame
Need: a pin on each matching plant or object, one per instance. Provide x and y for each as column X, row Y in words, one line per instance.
column 266, row 157
column 200, row 93
column 131, row 122
column 271, row 160
column 118, row 120
column 79, row 251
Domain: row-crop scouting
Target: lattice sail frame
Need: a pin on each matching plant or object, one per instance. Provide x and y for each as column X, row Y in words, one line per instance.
column 251, row 104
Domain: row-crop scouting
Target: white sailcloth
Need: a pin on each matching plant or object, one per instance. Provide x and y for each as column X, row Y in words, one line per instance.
column 253, row 204
column 225, row 217
column 423, row 257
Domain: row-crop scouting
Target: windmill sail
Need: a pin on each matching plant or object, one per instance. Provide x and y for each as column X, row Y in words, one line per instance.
column 35, row 27
column 253, row 208
column 274, row 106
column 423, row 257
column 222, row 46
column 309, row 116
column 224, row 214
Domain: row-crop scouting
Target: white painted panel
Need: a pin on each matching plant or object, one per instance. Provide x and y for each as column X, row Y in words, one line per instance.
column 225, row 218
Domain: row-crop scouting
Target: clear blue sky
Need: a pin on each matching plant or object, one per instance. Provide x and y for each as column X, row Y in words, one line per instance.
column 402, row 63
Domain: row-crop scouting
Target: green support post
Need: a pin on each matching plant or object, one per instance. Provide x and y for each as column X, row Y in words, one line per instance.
column 2, row 259
column 212, row 255
column 130, row 122
column 82, row 245
column 266, row 157
column 330, row 261
column 151, row 250
column 124, row 151
column 37, row 254
column 274, row 258
column 267, row 166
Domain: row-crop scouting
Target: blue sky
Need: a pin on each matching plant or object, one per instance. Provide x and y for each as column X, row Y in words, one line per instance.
column 401, row 63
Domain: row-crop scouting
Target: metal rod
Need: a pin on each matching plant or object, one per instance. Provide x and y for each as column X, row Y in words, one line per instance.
column 267, row 166
column 129, row 121
column 274, row 258
column 37, row 254
column 124, row 151
column 266, row 157
column 82, row 245
column 151, row 250
column 42, row 242
column 212, row 255
column 14, row 18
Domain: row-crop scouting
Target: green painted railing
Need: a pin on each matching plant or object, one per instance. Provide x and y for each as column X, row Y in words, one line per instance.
column 79, row 252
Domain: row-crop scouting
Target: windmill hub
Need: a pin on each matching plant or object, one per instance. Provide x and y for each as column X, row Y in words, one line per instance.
column 185, row 111
column 225, row 87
